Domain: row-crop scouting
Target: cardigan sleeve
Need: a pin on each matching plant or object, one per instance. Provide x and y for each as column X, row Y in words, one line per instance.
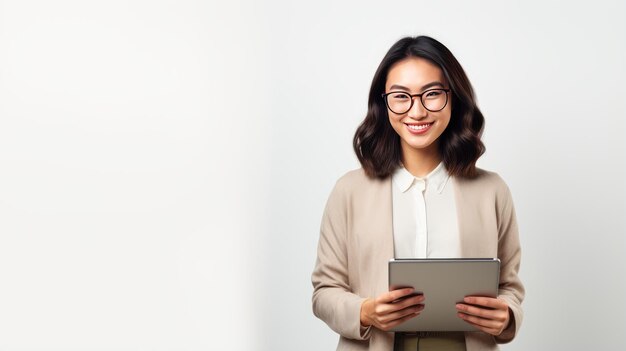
column 511, row 288
column 333, row 299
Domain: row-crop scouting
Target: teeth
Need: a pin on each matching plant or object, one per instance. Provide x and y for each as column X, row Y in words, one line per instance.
column 419, row 127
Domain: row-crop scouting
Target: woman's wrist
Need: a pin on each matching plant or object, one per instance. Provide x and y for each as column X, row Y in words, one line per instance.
column 365, row 321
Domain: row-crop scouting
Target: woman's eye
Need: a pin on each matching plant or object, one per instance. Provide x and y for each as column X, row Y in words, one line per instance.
column 400, row 96
column 433, row 93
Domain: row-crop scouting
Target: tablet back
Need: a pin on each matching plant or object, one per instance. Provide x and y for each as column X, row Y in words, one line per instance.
column 444, row 282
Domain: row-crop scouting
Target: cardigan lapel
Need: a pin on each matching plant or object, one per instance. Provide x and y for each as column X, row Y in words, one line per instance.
column 388, row 219
column 473, row 229
column 381, row 250
column 464, row 219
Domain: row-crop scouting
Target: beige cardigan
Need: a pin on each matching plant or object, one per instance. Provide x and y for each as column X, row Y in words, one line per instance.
column 356, row 243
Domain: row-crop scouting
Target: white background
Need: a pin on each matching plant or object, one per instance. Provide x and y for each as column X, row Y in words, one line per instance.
column 164, row 164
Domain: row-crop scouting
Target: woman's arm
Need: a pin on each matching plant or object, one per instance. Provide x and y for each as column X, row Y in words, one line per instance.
column 511, row 288
column 333, row 300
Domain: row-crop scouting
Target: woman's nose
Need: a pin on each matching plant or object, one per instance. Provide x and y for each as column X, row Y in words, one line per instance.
column 417, row 111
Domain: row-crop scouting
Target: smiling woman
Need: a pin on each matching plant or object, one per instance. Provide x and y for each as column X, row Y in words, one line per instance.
column 419, row 125
column 412, row 66
column 417, row 195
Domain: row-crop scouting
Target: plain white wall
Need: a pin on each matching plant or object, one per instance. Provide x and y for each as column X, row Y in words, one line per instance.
column 164, row 164
column 133, row 168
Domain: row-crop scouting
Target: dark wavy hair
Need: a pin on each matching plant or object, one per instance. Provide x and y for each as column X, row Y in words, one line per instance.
column 376, row 143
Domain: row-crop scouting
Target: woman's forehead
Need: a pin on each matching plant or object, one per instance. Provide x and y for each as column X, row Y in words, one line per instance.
column 414, row 73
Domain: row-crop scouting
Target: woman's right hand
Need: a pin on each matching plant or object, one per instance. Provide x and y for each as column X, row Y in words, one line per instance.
column 391, row 308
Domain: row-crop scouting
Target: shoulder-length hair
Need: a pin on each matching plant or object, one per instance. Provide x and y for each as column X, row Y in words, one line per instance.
column 376, row 143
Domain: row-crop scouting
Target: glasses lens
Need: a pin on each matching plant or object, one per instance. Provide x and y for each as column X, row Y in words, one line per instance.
column 399, row 102
column 434, row 99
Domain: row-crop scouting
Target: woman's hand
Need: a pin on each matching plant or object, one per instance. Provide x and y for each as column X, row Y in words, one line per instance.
column 488, row 314
column 391, row 308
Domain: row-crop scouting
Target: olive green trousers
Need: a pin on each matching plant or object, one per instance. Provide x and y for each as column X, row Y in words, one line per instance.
column 429, row 341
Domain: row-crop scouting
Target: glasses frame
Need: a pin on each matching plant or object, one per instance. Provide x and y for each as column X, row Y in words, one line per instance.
column 413, row 96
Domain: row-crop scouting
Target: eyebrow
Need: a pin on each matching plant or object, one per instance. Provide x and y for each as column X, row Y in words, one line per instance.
column 429, row 85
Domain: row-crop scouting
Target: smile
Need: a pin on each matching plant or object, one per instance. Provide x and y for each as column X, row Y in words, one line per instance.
column 417, row 129
column 419, row 126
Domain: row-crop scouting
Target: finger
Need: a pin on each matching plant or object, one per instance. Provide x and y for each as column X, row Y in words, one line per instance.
column 487, row 302
column 390, row 308
column 397, row 305
column 388, row 325
column 409, row 301
column 486, row 323
column 394, row 295
column 492, row 331
column 386, row 318
column 481, row 312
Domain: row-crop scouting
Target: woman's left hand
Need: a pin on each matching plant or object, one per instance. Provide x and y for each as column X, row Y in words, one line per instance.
column 488, row 314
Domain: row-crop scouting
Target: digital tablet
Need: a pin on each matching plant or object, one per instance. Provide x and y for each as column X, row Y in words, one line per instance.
column 444, row 282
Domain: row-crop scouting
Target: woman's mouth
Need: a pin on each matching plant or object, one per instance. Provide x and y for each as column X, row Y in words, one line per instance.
column 419, row 128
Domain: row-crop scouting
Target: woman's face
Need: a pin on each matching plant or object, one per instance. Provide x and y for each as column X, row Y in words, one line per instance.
column 418, row 128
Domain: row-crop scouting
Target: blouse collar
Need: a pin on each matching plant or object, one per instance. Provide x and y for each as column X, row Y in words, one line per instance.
column 438, row 178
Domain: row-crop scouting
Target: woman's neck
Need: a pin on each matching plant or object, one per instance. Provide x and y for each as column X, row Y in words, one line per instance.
column 420, row 162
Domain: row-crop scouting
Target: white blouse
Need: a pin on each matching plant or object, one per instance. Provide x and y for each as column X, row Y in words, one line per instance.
column 424, row 215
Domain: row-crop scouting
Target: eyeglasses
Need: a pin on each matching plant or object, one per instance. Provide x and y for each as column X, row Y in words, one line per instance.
column 400, row 102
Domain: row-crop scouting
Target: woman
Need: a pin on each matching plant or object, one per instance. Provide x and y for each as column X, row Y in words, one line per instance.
column 418, row 194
